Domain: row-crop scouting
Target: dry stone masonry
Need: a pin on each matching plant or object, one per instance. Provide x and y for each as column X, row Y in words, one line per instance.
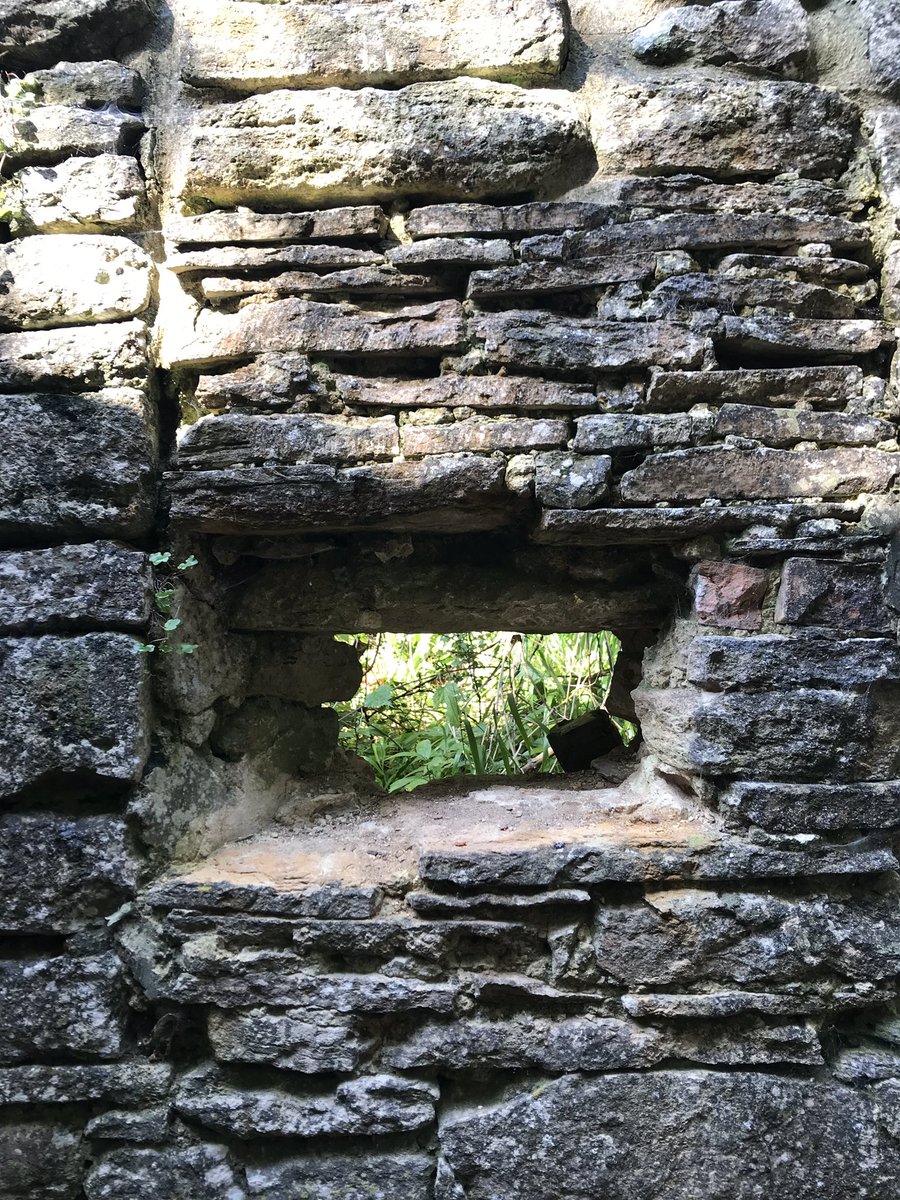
column 448, row 316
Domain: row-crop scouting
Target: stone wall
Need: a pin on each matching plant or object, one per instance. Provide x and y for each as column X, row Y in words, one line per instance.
column 448, row 316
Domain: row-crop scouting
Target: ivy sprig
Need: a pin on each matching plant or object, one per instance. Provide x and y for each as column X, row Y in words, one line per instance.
column 165, row 603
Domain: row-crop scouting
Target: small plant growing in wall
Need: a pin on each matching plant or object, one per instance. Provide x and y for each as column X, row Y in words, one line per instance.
column 166, row 622
column 17, row 96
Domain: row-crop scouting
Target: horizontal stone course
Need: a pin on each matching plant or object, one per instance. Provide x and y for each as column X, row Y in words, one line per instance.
column 373, row 1176
column 823, row 387
column 213, row 443
column 801, row 808
column 815, row 340
column 203, row 1172
column 131, row 1082
column 774, row 660
column 771, row 35
column 519, row 433
column 105, row 194
column 76, row 359
column 469, row 391
column 221, row 228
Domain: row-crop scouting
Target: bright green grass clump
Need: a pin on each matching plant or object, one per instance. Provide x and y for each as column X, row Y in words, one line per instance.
column 434, row 705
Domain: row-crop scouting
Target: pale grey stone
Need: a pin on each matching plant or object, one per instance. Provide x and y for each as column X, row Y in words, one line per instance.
column 37, row 33
column 213, row 443
column 75, row 359
column 201, row 1172
column 768, row 34
column 105, row 194
column 373, row 1176
column 565, row 480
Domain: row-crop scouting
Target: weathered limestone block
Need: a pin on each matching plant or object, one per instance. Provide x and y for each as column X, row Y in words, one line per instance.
column 52, row 133
column 793, row 734
column 120, row 1125
column 716, row 663
column 359, row 222
column 750, row 938
column 517, row 433
column 729, row 595
column 445, row 494
column 823, row 387
column 90, row 84
column 310, row 147
column 726, row 129
column 74, row 713
column 696, row 231
column 784, row 337
column 255, row 47
column 668, row 1006
column 326, row 903
column 105, row 194
column 802, row 808
column 76, row 465
column 270, row 382
column 564, row 480
column 39, row 1161
column 784, row 426
column 812, row 269
column 213, row 443
column 367, row 1106
column 77, row 281
column 290, row 1041
column 371, row 1176
column 74, row 360
column 732, row 474
column 57, row 873
column 729, row 294
column 131, row 1082
column 469, row 391
column 576, row 1135
column 68, row 1006
column 549, row 341
column 358, row 281
column 844, row 596
column 541, row 278
column 883, row 21
column 307, row 326
column 452, row 252
column 261, row 258
column 74, row 589
column 36, row 33
column 769, row 34
column 618, row 431
column 201, row 1172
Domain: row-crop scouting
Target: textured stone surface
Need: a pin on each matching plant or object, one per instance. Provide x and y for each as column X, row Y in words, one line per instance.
column 762, row 662
column 540, row 278
column 252, row 47
column 729, row 595
column 57, row 873
column 39, row 1161
column 564, row 480
column 364, row 221
column 72, row 360
column 52, row 133
column 818, row 341
column 786, row 427
column 74, row 589
column 105, row 194
column 80, row 281
column 368, row 1105
column 74, row 713
column 800, row 808
column 725, row 293
column 77, row 465
column 202, row 1172
column 734, row 474
column 479, row 435
column 37, row 33
column 132, row 1081
column 883, row 23
column 576, row 1135
column 66, row 1006
column 290, row 1041
column 322, row 903
column 630, row 526
column 476, row 391
column 260, row 258
column 770, row 34
column 843, row 596
column 90, row 84
column 727, row 128
column 824, row 387
column 307, row 147
column 216, row 442
column 375, row 1176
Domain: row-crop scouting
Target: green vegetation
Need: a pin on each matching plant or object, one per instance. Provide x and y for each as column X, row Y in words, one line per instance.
column 165, row 619
column 436, row 705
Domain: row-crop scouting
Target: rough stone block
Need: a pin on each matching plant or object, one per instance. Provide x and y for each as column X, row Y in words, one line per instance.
column 306, row 670
column 823, row 387
column 575, row 1135
column 73, row 360
column 119, row 1125
column 357, row 281
column 56, row 873
column 496, row 138
column 322, row 903
column 201, row 1172
column 883, row 22
column 727, row 473
column 308, row 326
column 769, row 34
column 373, row 1176
column 36, row 33
column 729, row 595
column 783, row 337
column 77, row 465
column 728, row 129
column 132, row 1082
column 61, row 1006
column 367, row 1106
column 468, row 391
column 800, row 268
column 718, row 663
column 822, row 808
column 727, row 293
column 74, row 713
column 442, row 253
column 564, row 480
column 79, row 281
column 251, row 47
column 39, row 1161
column 518, row 433
column 453, row 493
column 213, row 443
column 52, row 133
column 105, row 194
column 357, row 222
column 838, row 595
column 90, row 84
column 550, row 342
column 542, row 278
column 784, row 427
column 264, row 258
column 290, row 1041
column 798, row 734
column 618, row 431
column 74, row 589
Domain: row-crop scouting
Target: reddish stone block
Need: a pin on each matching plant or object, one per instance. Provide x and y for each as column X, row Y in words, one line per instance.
column 729, row 595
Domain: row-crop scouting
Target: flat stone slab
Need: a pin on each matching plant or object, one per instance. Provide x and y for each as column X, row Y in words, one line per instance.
column 309, row 147
column 469, row 391
column 105, row 194
column 255, row 47
column 771, row 35
column 233, row 440
column 82, row 358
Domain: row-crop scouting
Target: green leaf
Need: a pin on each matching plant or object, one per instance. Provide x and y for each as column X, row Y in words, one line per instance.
column 172, row 623
column 164, row 599
column 188, row 647
column 380, row 698
column 189, row 562
column 424, row 749
column 144, row 648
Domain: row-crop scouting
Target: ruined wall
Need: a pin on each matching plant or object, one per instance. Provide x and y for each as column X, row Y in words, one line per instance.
column 444, row 315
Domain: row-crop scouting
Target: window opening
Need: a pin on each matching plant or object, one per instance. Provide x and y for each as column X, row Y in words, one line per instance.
column 432, row 706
